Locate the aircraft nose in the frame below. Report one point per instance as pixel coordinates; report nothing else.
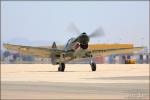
(84, 39)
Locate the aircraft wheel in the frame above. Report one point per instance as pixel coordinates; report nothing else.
(61, 67)
(93, 66)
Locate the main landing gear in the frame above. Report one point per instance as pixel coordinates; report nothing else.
(93, 66)
(61, 67)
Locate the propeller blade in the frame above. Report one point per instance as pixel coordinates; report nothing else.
(73, 29)
(97, 33)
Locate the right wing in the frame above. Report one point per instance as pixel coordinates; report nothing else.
(35, 51)
(107, 52)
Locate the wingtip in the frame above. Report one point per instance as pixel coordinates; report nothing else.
(6, 45)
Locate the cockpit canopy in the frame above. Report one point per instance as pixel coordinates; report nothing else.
(69, 41)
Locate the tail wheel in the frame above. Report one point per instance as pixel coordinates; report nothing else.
(61, 67)
(93, 66)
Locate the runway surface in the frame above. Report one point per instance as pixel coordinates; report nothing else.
(42, 81)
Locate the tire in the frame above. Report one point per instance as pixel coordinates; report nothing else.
(93, 66)
(61, 67)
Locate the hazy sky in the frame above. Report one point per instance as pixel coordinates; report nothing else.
(122, 21)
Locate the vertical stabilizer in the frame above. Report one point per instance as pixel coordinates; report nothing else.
(54, 45)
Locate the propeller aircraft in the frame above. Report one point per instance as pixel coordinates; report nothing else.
(75, 48)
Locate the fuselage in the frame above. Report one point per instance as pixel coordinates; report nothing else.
(75, 47)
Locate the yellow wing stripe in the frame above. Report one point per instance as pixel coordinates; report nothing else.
(106, 52)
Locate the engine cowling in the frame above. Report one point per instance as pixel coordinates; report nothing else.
(84, 46)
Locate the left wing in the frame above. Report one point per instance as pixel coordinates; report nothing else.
(106, 52)
(35, 51)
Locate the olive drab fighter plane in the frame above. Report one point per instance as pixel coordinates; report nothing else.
(75, 48)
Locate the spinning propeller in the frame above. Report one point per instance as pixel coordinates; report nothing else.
(97, 33)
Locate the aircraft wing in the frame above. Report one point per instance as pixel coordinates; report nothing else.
(35, 51)
(106, 52)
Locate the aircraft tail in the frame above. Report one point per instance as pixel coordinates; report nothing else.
(54, 45)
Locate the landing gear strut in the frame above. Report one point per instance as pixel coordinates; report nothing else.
(61, 67)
